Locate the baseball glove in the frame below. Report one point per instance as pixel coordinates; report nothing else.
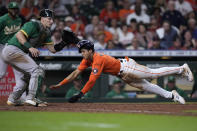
(76, 98)
(69, 37)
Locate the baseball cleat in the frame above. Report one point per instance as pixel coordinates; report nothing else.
(177, 97)
(187, 72)
(30, 102)
(36, 102)
(16, 103)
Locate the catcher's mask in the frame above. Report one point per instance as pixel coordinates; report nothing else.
(85, 44)
(46, 13)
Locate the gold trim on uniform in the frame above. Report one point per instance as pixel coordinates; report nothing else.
(24, 33)
(49, 43)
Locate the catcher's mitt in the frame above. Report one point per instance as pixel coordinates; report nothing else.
(69, 37)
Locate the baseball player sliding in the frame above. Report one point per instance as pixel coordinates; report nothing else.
(127, 69)
(32, 35)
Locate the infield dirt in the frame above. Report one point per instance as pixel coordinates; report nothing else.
(142, 108)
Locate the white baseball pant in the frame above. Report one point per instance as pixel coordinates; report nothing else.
(135, 75)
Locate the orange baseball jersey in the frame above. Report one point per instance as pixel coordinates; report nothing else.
(101, 63)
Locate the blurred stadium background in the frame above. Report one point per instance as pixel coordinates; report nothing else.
(155, 33)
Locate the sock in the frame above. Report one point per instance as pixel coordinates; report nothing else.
(147, 86)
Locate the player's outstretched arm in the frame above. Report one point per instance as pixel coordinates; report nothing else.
(69, 78)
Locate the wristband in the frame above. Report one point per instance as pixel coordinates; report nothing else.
(27, 45)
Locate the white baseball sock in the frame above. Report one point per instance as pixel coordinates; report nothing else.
(147, 86)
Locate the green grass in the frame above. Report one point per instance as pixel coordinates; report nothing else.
(192, 111)
(65, 121)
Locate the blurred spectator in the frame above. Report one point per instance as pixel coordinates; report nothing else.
(99, 3)
(143, 36)
(161, 4)
(110, 45)
(172, 15)
(116, 42)
(133, 26)
(114, 28)
(193, 3)
(171, 85)
(94, 22)
(60, 25)
(135, 45)
(78, 28)
(68, 21)
(123, 13)
(103, 28)
(29, 10)
(125, 37)
(88, 9)
(42, 4)
(183, 6)
(157, 15)
(139, 3)
(108, 12)
(3, 9)
(113, 46)
(193, 15)
(155, 44)
(93, 36)
(68, 2)
(192, 27)
(55, 23)
(187, 40)
(76, 88)
(117, 91)
(100, 44)
(176, 44)
(57, 36)
(138, 15)
(154, 25)
(77, 16)
(59, 9)
(167, 34)
(194, 43)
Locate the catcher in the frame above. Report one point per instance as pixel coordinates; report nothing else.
(32, 35)
(127, 69)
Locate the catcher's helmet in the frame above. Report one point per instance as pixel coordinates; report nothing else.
(46, 13)
(85, 44)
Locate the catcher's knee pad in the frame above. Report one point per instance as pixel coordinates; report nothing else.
(38, 72)
(36, 80)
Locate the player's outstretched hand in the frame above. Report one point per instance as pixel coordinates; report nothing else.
(54, 86)
(75, 98)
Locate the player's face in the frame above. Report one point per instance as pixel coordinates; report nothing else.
(13, 12)
(86, 53)
(47, 21)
